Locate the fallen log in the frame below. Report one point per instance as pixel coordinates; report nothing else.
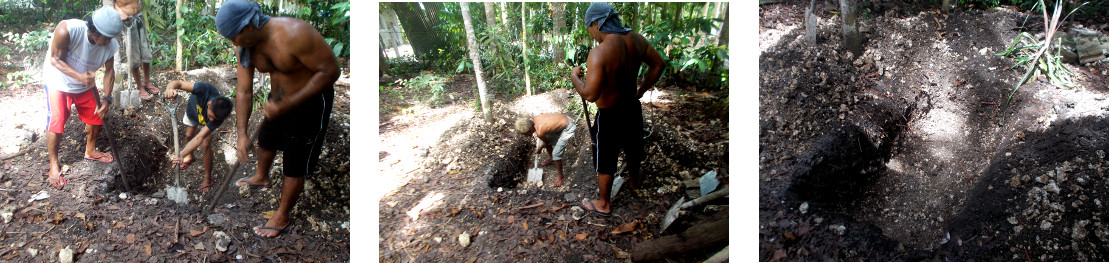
(697, 237)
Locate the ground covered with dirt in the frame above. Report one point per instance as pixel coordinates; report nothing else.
(456, 188)
(120, 212)
(908, 150)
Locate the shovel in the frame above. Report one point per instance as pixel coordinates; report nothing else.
(673, 213)
(535, 175)
(175, 192)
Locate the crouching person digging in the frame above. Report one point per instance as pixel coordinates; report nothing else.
(552, 132)
(206, 108)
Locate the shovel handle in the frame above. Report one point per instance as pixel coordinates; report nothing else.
(706, 198)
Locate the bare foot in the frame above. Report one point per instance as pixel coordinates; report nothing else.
(546, 163)
(557, 182)
(55, 177)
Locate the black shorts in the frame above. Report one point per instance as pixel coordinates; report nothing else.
(299, 133)
(618, 128)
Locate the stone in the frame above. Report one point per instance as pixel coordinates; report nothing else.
(577, 213)
(151, 201)
(1051, 187)
(217, 219)
(804, 208)
(65, 255)
(839, 229)
(464, 239)
(33, 252)
(223, 241)
(570, 197)
(159, 194)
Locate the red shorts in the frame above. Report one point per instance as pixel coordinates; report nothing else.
(58, 103)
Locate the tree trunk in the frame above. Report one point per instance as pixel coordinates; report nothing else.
(417, 28)
(504, 15)
(490, 15)
(697, 237)
(723, 40)
(557, 46)
(178, 35)
(524, 38)
(851, 41)
(471, 42)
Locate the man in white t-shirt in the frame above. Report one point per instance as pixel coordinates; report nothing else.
(78, 49)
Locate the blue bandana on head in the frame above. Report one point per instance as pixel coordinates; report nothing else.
(606, 19)
(233, 16)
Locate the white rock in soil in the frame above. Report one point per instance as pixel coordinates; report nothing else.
(1045, 225)
(437, 239)
(577, 213)
(122, 195)
(804, 208)
(65, 255)
(464, 239)
(1013, 220)
(1051, 187)
(222, 241)
(839, 229)
(34, 252)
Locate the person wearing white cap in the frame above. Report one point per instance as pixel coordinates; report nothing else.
(78, 49)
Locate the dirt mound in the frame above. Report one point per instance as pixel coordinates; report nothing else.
(922, 113)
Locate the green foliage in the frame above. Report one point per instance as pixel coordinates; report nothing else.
(1035, 54)
(19, 78)
(432, 84)
(32, 45)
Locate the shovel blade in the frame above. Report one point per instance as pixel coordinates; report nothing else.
(671, 215)
(535, 175)
(177, 194)
(616, 183)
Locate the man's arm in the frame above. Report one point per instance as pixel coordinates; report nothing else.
(173, 86)
(312, 51)
(59, 49)
(244, 92)
(590, 88)
(202, 135)
(654, 67)
(109, 82)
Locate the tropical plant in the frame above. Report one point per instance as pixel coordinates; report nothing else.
(1034, 55)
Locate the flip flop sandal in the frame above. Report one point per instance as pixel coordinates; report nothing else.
(184, 165)
(252, 185)
(60, 185)
(588, 205)
(110, 158)
(279, 230)
(152, 90)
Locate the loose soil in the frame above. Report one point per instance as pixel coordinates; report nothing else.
(908, 151)
(448, 173)
(118, 211)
